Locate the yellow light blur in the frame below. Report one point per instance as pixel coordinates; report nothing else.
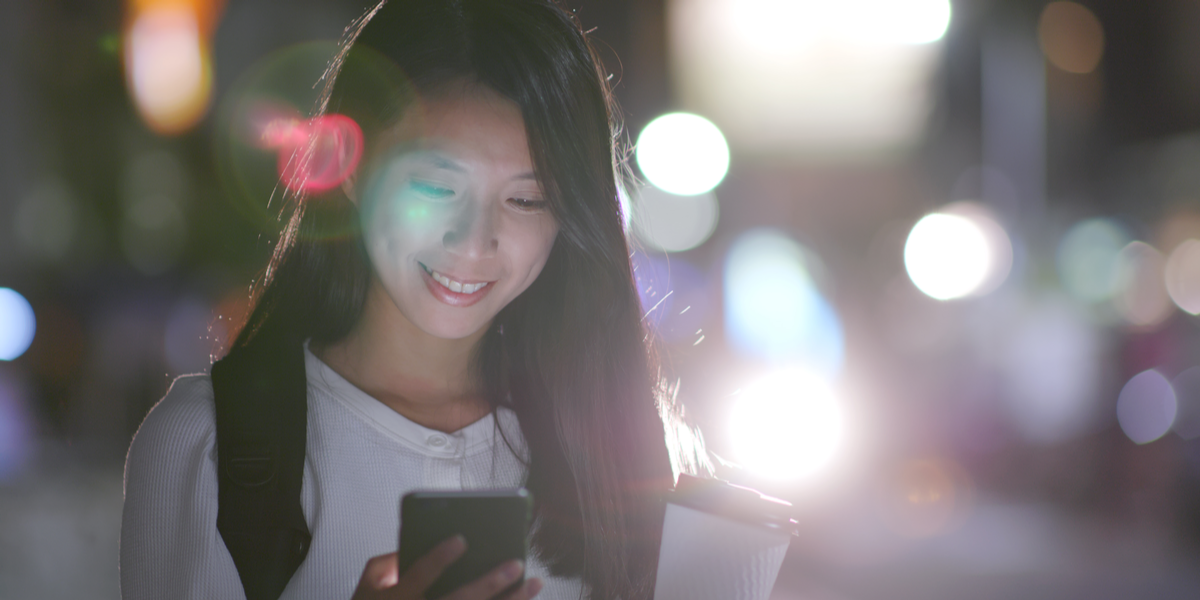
(787, 425)
(683, 154)
(1071, 37)
(1183, 276)
(947, 256)
(928, 497)
(167, 64)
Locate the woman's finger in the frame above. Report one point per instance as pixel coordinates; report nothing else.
(528, 590)
(380, 572)
(426, 570)
(491, 584)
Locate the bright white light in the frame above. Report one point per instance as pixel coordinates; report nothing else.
(782, 23)
(804, 77)
(1183, 276)
(683, 154)
(947, 256)
(672, 223)
(773, 309)
(1146, 407)
(902, 21)
(167, 68)
(787, 425)
(17, 324)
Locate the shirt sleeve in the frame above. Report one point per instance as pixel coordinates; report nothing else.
(170, 546)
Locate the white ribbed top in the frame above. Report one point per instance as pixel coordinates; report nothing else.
(361, 457)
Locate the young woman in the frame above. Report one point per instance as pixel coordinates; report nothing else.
(478, 327)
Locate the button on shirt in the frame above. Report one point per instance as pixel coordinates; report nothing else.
(361, 458)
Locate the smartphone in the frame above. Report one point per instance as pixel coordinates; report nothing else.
(495, 524)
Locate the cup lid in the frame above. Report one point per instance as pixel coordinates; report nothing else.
(724, 499)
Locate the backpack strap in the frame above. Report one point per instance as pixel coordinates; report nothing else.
(261, 401)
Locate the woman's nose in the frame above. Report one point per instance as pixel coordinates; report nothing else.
(472, 233)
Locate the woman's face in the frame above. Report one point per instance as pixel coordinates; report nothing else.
(454, 220)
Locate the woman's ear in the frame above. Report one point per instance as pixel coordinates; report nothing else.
(348, 187)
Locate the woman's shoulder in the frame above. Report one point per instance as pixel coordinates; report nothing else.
(183, 419)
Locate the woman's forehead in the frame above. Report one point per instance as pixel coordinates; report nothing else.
(463, 122)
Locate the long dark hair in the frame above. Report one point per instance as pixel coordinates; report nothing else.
(570, 356)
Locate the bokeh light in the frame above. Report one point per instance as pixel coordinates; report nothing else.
(153, 229)
(1183, 276)
(947, 256)
(773, 309)
(1187, 401)
(804, 77)
(168, 66)
(683, 153)
(665, 221)
(926, 497)
(1142, 299)
(1071, 37)
(897, 21)
(777, 24)
(16, 425)
(786, 425)
(47, 221)
(1052, 364)
(1089, 263)
(17, 324)
(1146, 407)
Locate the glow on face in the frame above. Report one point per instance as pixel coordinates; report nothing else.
(454, 221)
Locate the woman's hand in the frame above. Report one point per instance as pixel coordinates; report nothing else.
(381, 578)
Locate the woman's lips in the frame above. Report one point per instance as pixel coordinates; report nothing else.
(442, 288)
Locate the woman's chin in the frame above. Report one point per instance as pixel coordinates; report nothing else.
(452, 329)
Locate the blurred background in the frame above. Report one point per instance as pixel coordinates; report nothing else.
(927, 269)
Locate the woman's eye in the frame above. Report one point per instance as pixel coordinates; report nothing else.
(528, 204)
(430, 190)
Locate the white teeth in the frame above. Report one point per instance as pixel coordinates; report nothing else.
(455, 286)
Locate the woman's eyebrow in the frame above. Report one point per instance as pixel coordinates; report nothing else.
(441, 161)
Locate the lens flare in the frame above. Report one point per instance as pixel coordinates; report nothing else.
(947, 256)
(17, 324)
(273, 147)
(787, 425)
(329, 150)
(683, 154)
(1146, 407)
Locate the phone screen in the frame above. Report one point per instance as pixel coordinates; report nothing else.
(495, 524)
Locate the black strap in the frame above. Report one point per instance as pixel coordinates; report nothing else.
(260, 394)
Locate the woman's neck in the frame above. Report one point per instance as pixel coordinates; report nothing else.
(425, 378)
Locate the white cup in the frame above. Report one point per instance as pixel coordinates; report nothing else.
(721, 542)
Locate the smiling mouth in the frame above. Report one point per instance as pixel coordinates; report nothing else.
(457, 287)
